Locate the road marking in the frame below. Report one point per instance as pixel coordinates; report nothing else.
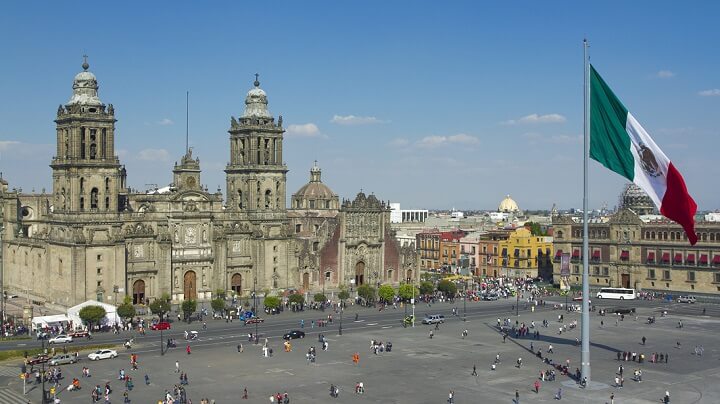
(370, 324)
(387, 326)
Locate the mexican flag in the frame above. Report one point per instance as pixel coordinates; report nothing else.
(618, 142)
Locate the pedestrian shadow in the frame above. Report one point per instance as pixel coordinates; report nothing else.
(550, 339)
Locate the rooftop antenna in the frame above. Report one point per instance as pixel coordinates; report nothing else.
(187, 122)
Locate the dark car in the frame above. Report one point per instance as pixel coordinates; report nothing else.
(622, 310)
(254, 320)
(295, 334)
(38, 359)
(79, 334)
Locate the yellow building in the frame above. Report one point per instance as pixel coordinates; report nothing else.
(523, 254)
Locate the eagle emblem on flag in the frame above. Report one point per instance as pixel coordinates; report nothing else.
(648, 162)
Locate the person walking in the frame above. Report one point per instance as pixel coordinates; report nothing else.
(517, 397)
(643, 340)
(451, 397)
(666, 398)
(558, 395)
(612, 398)
(474, 372)
(177, 367)
(187, 349)
(537, 386)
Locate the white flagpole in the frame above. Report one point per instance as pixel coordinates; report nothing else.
(585, 320)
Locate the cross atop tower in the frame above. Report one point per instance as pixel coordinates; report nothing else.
(85, 64)
(257, 82)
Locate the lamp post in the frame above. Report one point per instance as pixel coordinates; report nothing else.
(162, 351)
(255, 305)
(42, 376)
(342, 308)
(2, 283)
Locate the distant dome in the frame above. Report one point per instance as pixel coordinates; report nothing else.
(635, 199)
(256, 103)
(508, 205)
(315, 194)
(85, 88)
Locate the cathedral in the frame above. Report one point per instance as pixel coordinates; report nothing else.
(93, 237)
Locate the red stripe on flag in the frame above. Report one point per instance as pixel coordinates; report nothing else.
(678, 205)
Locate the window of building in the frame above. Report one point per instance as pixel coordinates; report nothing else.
(606, 271)
(666, 275)
(651, 274)
(717, 278)
(99, 257)
(99, 284)
(316, 227)
(596, 271)
(691, 276)
(576, 269)
(60, 265)
(99, 272)
(312, 204)
(298, 228)
(316, 246)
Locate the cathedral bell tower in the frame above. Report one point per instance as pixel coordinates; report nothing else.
(86, 173)
(256, 173)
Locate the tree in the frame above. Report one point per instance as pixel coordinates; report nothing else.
(220, 293)
(188, 307)
(217, 304)
(126, 310)
(319, 298)
(406, 291)
(92, 314)
(271, 302)
(296, 298)
(426, 288)
(447, 287)
(367, 292)
(535, 229)
(161, 306)
(386, 293)
(343, 295)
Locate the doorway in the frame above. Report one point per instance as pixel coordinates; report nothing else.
(625, 281)
(236, 284)
(359, 273)
(139, 292)
(306, 281)
(189, 285)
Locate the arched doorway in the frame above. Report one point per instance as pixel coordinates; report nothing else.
(306, 281)
(409, 276)
(190, 285)
(138, 293)
(359, 273)
(236, 284)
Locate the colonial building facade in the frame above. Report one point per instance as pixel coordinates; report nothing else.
(92, 237)
(636, 249)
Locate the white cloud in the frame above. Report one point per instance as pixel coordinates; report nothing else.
(534, 137)
(153, 155)
(437, 141)
(303, 130)
(710, 93)
(165, 122)
(535, 118)
(6, 145)
(355, 120)
(664, 74)
(399, 142)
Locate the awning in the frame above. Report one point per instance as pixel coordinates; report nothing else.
(666, 257)
(625, 254)
(576, 253)
(651, 256)
(716, 260)
(558, 253)
(596, 254)
(703, 259)
(690, 259)
(678, 258)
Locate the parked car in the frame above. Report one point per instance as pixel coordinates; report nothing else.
(295, 334)
(622, 310)
(103, 354)
(433, 319)
(686, 299)
(253, 320)
(60, 339)
(163, 325)
(38, 359)
(490, 297)
(63, 359)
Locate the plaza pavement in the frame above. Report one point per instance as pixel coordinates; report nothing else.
(420, 369)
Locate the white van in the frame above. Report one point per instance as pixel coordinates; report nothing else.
(433, 319)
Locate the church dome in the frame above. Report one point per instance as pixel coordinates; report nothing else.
(508, 205)
(256, 103)
(635, 199)
(315, 194)
(85, 88)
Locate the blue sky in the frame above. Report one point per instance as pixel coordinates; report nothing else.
(430, 104)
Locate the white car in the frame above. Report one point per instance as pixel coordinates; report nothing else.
(103, 354)
(60, 339)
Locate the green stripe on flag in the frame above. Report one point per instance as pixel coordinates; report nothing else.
(609, 140)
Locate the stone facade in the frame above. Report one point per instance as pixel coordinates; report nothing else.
(94, 238)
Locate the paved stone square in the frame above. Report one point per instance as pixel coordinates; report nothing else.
(424, 370)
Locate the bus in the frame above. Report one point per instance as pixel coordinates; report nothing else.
(616, 293)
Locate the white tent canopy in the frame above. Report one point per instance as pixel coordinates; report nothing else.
(111, 316)
(56, 320)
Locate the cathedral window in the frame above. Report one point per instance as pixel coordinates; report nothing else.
(82, 143)
(268, 198)
(107, 203)
(315, 246)
(94, 198)
(107, 185)
(312, 204)
(93, 144)
(82, 203)
(82, 185)
(240, 199)
(298, 228)
(103, 143)
(327, 204)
